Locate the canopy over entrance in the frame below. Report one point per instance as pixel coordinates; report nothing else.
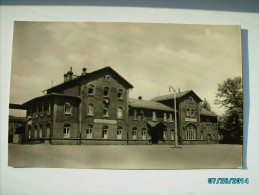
(156, 131)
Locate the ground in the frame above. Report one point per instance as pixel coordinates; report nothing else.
(126, 157)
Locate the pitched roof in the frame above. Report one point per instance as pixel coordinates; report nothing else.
(178, 95)
(206, 112)
(149, 105)
(76, 81)
(50, 95)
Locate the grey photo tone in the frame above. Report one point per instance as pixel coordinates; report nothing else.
(92, 92)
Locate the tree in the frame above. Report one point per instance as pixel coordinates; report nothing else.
(206, 104)
(230, 96)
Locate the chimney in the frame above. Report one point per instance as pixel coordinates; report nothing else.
(65, 78)
(84, 71)
(69, 74)
(140, 97)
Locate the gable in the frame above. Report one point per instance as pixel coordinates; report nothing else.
(90, 77)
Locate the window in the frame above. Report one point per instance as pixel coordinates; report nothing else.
(105, 113)
(40, 135)
(190, 132)
(119, 113)
(89, 131)
(35, 131)
(154, 116)
(165, 135)
(29, 129)
(190, 99)
(90, 90)
(120, 94)
(106, 91)
(90, 110)
(134, 133)
(66, 131)
(165, 117)
(172, 134)
(201, 135)
(49, 111)
(67, 109)
(105, 132)
(119, 133)
(208, 127)
(42, 111)
(192, 113)
(107, 77)
(48, 130)
(144, 133)
(187, 112)
(135, 114)
(171, 118)
(37, 113)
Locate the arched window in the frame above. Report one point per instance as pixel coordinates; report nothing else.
(106, 91)
(105, 132)
(134, 133)
(120, 94)
(35, 131)
(119, 132)
(91, 89)
(105, 112)
(90, 110)
(47, 131)
(119, 113)
(191, 132)
(165, 134)
(144, 133)
(40, 135)
(66, 131)
(89, 132)
(192, 112)
(187, 112)
(29, 131)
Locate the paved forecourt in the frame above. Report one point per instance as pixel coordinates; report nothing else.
(126, 157)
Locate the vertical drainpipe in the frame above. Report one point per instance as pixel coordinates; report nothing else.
(127, 111)
(54, 112)
(80, 114)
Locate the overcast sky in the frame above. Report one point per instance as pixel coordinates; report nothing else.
(150, 56)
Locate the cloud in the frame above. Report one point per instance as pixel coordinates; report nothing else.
(150, 56)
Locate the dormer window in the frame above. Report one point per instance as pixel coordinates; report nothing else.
(154, 116)
(120, 94)
(106, 91)
(165, 117)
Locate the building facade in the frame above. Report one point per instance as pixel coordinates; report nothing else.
(95, 108)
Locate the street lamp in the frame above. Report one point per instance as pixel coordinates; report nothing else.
(175, 117)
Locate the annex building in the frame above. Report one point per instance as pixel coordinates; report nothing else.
(95, 108)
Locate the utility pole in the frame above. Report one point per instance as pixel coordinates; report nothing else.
(175, 117)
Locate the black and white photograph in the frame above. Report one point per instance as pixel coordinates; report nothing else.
(124, 95)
